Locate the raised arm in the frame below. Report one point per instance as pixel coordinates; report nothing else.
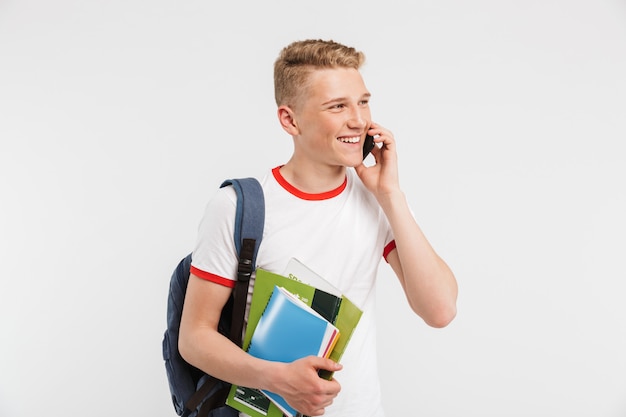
(428, 282)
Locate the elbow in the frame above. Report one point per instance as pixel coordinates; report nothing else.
(442, 319)
(440, 309)
(183, 350)
(438, 317)
(184, 347)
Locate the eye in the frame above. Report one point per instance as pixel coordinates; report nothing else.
(337, 107)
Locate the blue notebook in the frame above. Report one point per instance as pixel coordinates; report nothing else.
(289, 330)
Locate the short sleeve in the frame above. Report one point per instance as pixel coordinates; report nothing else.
(214, 256)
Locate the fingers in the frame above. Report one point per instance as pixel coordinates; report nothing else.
(380, 133)
(383, 138)
(308, 393)
(325, 363)
(381, 178)
(316, 403)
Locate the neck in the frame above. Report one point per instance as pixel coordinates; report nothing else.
(313, 179)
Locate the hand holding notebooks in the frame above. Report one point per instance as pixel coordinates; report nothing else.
(330, 303)
(289, 330)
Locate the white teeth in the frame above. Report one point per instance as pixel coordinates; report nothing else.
(354, 139)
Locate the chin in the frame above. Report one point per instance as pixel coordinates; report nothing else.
(358, 161)
(349, 164)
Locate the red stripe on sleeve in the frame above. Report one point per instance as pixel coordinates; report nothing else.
(212, 277)
(390, 246)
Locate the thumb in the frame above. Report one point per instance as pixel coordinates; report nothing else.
(326, 364)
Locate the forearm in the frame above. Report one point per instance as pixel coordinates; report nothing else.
(297, 382)
(428, 282)
(216, 355)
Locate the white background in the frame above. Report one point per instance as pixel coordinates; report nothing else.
(118, 119)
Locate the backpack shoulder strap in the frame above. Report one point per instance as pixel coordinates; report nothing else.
(250, 212)
(249, 224)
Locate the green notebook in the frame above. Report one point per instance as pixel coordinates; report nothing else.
(329, 303)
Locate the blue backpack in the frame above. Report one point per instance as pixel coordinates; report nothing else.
(195, 393)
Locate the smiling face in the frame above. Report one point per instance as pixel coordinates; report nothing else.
(330, 118)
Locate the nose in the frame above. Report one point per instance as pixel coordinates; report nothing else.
(358, 119)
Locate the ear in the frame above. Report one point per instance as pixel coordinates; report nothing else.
(287, 120)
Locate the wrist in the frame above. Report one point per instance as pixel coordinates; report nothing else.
(391, 199)
(272, 376)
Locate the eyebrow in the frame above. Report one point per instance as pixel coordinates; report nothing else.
(342, 99)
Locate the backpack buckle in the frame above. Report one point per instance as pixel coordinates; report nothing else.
(244, 272)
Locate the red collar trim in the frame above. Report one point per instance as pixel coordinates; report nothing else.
(307, 196)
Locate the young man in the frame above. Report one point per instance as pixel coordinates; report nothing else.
(337, 216)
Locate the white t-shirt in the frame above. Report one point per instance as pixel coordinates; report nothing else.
(341, 235)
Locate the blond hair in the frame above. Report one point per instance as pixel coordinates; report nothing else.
(296, 61)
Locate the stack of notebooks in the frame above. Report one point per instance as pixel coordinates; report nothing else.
(292, 316)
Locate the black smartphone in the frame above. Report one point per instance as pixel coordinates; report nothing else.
(368, 145)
